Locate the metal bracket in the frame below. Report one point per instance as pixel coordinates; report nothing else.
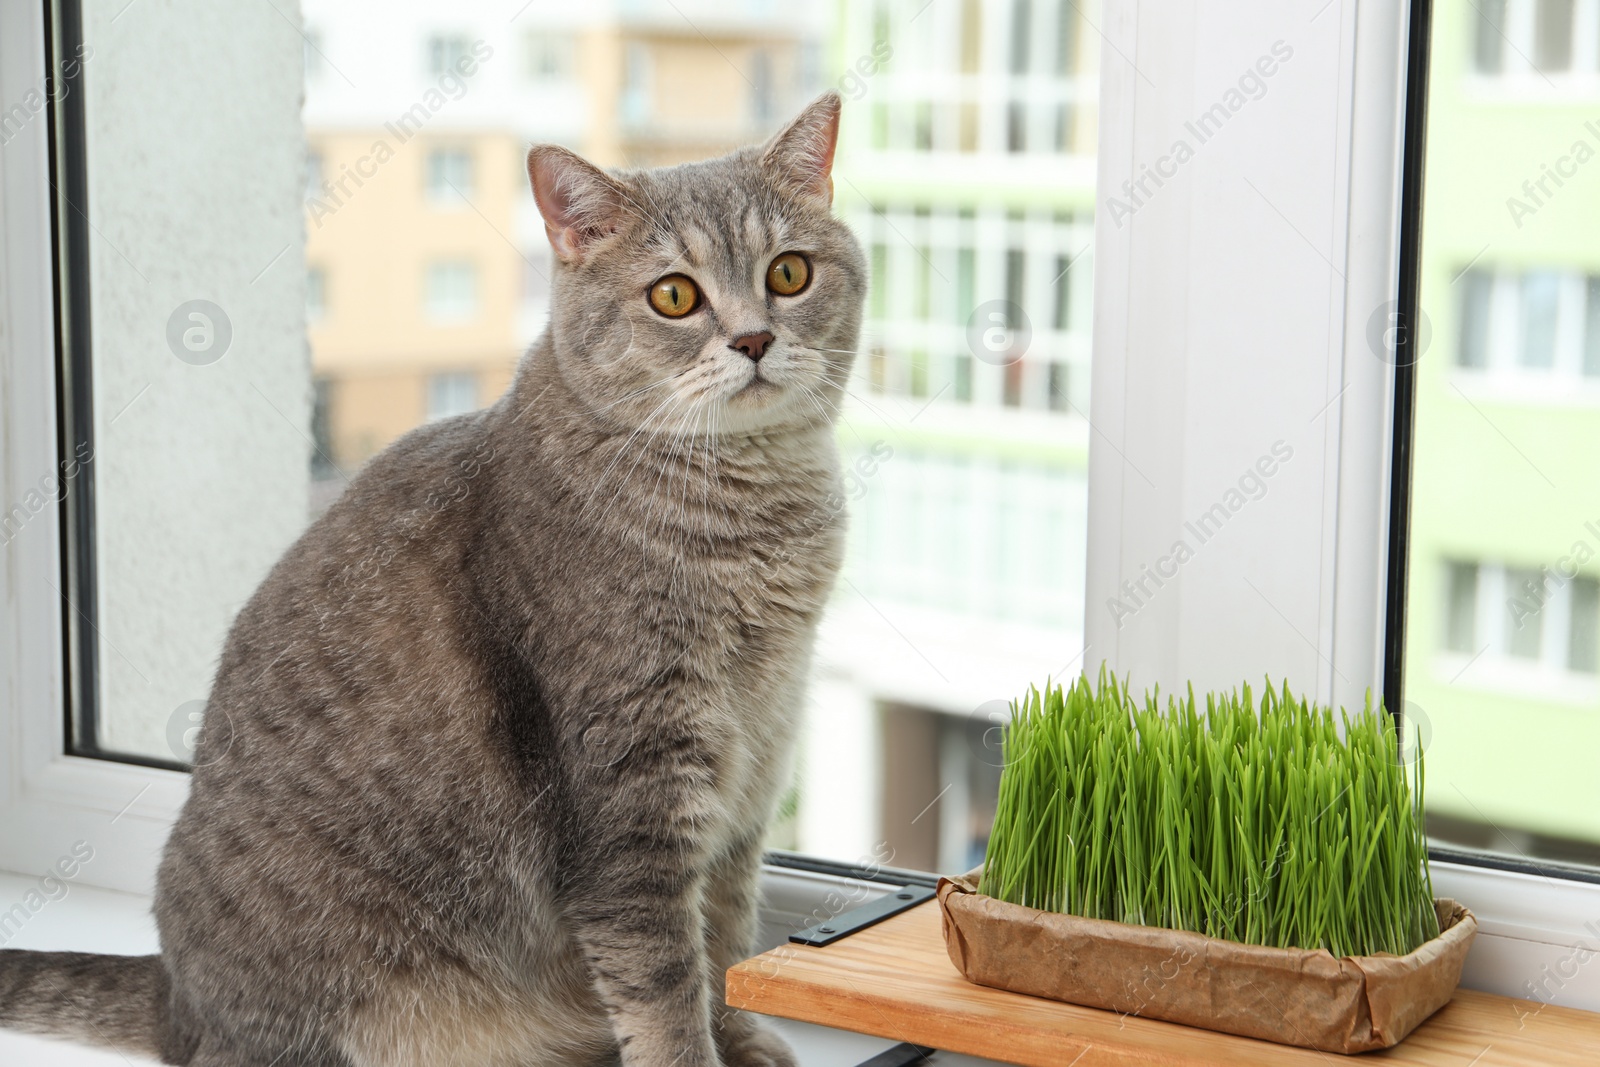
(857, 919)
(903, 1055)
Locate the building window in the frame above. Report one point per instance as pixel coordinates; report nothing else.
(536, 267)
(636, 92)
(1591, 327)
(1583, 646)
(322, 463)
(449, 176)
(1539, 326)
(316, 294)
(763, 106)
(314, 170)
(1540, 293)
(1488, 39)
(1538, 41)
(452, 292)
(445, 51)
(1473, 336)
(550, 56)
(1552, 36)
(1461, 607)
(455, 393)
(312, 54)
(1544, 618)
(978, 306)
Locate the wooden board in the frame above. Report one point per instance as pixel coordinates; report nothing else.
(894, 980)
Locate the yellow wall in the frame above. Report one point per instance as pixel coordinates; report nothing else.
(375, 341)
(375, 233)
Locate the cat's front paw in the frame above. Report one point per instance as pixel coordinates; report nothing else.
(751, 1044)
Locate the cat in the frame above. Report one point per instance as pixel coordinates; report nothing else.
(491, 753)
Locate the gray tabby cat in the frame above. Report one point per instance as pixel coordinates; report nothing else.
(491, 753)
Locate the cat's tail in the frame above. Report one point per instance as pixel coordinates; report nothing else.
(116, 1002)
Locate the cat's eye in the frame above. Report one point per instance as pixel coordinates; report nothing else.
(674, 296)
(788, 274)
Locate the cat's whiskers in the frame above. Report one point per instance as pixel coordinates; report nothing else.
(623, 451)
(586, 414)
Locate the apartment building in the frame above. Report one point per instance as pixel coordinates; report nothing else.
(428, 265)
(1504, 635)
(967, 169)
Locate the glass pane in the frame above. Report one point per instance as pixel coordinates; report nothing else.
(386, 224)
(1540, 292)
(1461, 611)
(1591, 328)
(1524, 614)
(1505, 528)
(1552, 41)
(1488, 36)
(1472, 343)
(1583, 653)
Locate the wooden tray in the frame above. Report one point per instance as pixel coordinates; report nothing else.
(894, 980)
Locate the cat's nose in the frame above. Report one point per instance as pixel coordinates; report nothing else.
(753, 345)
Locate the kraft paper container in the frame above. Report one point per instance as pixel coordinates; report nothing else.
(1291, 996)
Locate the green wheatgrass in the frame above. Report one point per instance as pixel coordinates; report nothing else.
(1269, 825)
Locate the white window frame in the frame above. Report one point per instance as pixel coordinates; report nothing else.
(1192, 381)
(48, 800)
(1185, 395)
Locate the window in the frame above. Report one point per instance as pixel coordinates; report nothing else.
(1541, 617)
(984, 472)
(452, 394)
(450, 176)
(965, 454)
(536, 270)
(314, 174)
(1552, 36)
(636, 88)
(323, 447)
(1472, 346)
(1533, 327)
(550, 56)
(763, 105)
(452, 292)
(314, 61)
(316, 294)
(1489, 37)
(447, 52)
(1542, 43)
(1501, 640)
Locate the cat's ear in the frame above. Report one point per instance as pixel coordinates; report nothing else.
(801, 154)
(579, 202)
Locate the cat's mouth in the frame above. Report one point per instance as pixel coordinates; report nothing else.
(757, 388)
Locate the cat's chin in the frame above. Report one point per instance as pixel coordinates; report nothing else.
(762, 406)
(757, 392)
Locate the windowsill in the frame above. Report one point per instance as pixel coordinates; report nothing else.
(1545, 388)
(1531, 87)
(1524, 680)
(87, 919)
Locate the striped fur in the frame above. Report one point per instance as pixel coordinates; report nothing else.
(491, 752)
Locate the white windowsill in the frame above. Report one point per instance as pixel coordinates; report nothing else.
(99, 920)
